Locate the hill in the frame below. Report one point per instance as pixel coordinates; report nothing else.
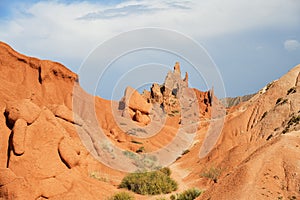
(59, 142)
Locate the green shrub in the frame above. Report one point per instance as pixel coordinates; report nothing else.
(140, 150)
(149, 183)
(189, 194)
(166, 171)
(122, 196)
(213, 174)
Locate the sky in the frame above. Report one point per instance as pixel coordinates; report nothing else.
(250, 43)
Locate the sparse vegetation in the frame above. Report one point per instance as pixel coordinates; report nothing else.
(278, 100)
(269, 137)
(291, 91)
(212, 173)
(140, 150)
(189, 194)
(122, 196)
(129, 154)
(185, 152)
(134, 131)
(269, 86)
(285, 130)
(171, 115)
(143, 162)
(294, 120)
(166, 171)
(281, 101)
(264, 115)
(292, 197)
(136, 142)
(175, 112)
(149, 183)
(96, 175)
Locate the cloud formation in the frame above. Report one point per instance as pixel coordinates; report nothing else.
(292, 45)
(54, 23)
(134, 8)
(67, 31)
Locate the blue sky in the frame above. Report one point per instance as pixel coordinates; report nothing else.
(252, 43)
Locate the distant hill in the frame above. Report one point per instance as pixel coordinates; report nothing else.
(233, 101)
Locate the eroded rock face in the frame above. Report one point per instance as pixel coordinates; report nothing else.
(135, 106)
(22, 109)
(135, 101)
(298, 80)
(172, 97)
(142, 118)
(19, 134)
(41, 156)
(156, 94)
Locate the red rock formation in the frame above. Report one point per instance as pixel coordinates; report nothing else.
(42, 154)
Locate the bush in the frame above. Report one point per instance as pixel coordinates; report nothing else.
(122, 196)
(189, 194)
(149, 183)
(213, 174)
(166, 171)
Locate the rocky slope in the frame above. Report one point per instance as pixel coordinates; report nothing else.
(258, 150)
(41, 154)
(58, 142)
(233, 101)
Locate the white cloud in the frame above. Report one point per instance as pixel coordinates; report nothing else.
(51, 29)
(291, 45)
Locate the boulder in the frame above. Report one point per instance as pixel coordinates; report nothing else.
(135, 101)
(156, 94)
(22, 109)
(69, 152)
(19, 133)
(142, 118)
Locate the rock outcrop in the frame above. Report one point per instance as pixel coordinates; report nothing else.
(134, 106)
(174, 97)
(41, 155)
(53, 147)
